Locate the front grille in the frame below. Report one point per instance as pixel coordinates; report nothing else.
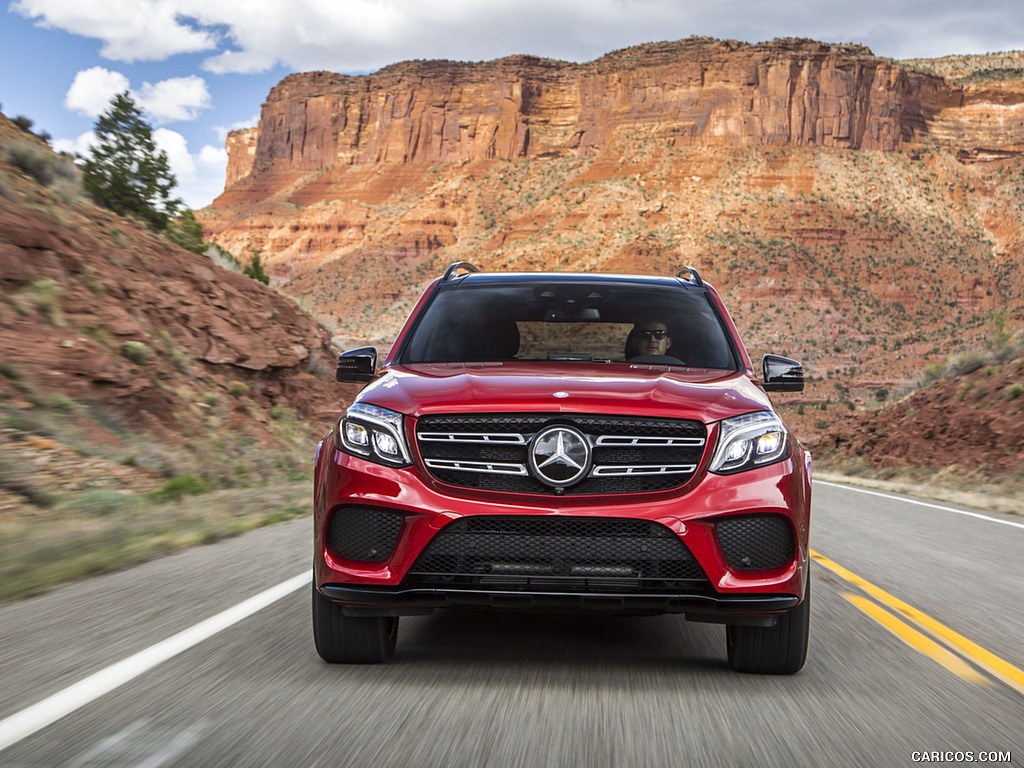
(630, 455)
(363, 533)
(557, 554)
(757, 542)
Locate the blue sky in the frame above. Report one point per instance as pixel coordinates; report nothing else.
(202, 67)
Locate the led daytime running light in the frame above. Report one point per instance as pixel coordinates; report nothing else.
(374, 433)
(749, 441)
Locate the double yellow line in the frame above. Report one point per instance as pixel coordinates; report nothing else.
(928, 645)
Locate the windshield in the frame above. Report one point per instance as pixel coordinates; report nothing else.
(598, 322)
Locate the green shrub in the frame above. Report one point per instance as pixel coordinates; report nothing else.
(932, 373)
(100, 503)
(186, 231)
(255, 270)
(136, 351)
(179, 487)
(23, 122)
(179, 359)
(45, 296)
(62, 403)
(282, 413)
(969, 362)
(33, 161)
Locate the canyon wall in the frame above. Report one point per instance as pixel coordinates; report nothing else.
(696, 91)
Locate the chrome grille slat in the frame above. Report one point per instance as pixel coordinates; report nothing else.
(473, 437)
(492, 468)
(631, 454)
(619, 441)
(626, 471)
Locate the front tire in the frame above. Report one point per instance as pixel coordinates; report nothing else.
(342, 639)
(778, 650)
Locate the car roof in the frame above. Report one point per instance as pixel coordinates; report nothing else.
(497, 278)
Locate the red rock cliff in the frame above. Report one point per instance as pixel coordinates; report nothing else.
(696, 91)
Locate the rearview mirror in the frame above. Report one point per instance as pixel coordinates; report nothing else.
(782, 374)
(357, 364)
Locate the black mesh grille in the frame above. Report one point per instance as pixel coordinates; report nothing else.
(363, 533)
(526, 425)
(756, 543)
(576, 554)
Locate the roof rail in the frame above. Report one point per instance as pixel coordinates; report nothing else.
(450, 273)
(690, 275)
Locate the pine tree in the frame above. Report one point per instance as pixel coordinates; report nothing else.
(125, 171)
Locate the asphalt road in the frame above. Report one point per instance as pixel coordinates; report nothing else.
(915, 647)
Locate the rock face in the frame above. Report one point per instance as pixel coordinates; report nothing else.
(690, 92)
(241, 149)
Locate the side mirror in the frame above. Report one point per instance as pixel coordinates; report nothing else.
(782, 374)
(357, 364)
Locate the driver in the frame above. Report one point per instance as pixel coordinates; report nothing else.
(648, 338)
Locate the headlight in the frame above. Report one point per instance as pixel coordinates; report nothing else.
(749, 441)
(373, 433)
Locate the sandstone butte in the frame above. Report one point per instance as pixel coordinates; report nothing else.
(707, 92)
(857, 212)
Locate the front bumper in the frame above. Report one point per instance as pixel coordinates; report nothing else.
(732, 595)
(726, 609)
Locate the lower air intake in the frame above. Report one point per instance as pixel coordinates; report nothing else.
(363, 533)
(756, 542)
(557, 554)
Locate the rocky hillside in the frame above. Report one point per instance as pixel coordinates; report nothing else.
(863, 215)
(126, 361)
(962, 430)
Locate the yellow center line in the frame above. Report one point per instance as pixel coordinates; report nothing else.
(1001, 668)
(918, 641)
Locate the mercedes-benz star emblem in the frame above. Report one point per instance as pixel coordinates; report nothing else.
(560, 456)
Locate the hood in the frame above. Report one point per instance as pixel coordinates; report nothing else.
(622, 389)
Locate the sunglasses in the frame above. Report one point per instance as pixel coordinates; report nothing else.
(649, 334)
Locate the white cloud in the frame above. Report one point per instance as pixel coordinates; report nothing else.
(183, 165)
(209, 179)
(92, 90)
(246, 36)
(178, 98)
(214, 156)
(200, 176)
(80, 145)
(131, 30)
(174, 99)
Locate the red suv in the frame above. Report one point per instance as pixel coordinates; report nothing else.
(543, 442)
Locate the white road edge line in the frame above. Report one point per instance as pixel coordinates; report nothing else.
(921, 503)
(23, 724)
